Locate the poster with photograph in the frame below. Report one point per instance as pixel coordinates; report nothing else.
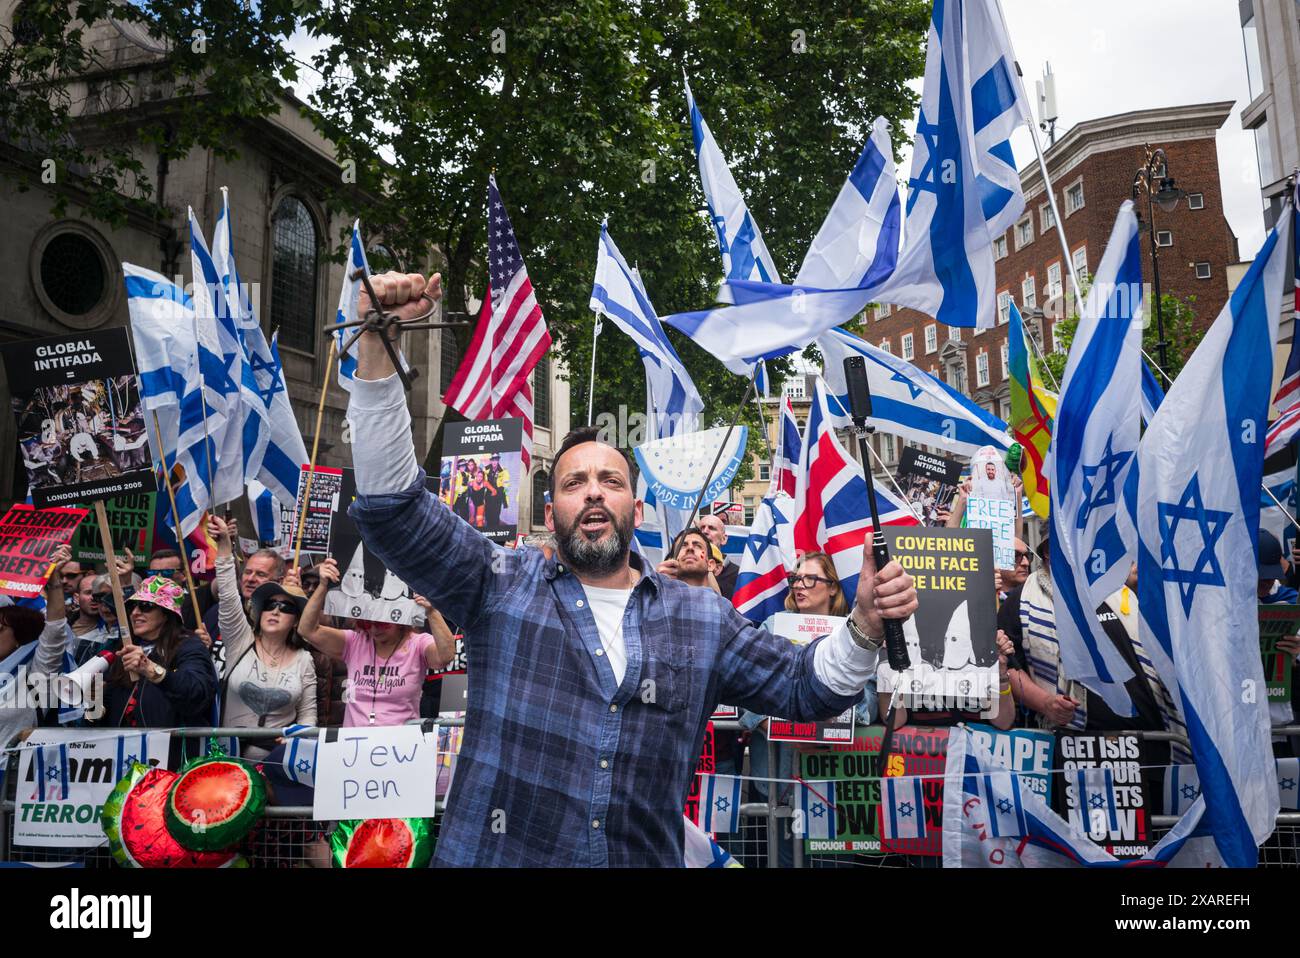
(800, 629)
(326, 484)
(989, 476)
(81, 425)
(1105, 793)
(952, 637)
(367, 590)
(929, 482)
(1275, 623)
(482, 473)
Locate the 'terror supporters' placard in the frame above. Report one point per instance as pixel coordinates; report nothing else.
(28, 537)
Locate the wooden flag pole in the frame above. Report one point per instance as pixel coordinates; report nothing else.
(315, 444)
(110, 559)
(176, 524)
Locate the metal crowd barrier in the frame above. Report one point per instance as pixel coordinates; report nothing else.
(290, 838)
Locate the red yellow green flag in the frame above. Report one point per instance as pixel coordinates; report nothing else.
(1033, 409)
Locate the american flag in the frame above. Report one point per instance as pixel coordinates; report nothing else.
(1287, 401)
(509, 339)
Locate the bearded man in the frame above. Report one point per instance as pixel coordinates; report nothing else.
(593, 676)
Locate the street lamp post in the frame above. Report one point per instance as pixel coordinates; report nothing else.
(1153, 179)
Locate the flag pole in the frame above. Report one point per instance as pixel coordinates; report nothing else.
(1277, 502)
(1042, 360)
(176, 520)
(315, 444)
(591, 386)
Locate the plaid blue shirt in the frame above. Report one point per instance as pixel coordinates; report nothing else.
(559, 765)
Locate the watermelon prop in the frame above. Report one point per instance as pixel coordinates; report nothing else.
(382, 843)
(132, 818)
(215, 801)
(675, 469)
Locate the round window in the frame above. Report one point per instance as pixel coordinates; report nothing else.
(72, 274)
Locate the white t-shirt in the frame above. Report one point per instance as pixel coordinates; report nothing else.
(607, 607)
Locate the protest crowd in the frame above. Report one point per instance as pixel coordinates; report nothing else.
(1067, 639)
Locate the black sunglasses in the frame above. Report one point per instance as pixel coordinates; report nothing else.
(280, 605)
(105, 597)
(1024, 555)
(808, 581)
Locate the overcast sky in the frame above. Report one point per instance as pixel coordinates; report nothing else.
(1112, 56)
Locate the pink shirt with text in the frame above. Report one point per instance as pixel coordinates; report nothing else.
(389, 688)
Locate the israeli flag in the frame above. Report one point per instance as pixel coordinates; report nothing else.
(1288, 775)
(1001, 804)
(1201, 463)
(162, 328)
(299, 761)
(720, 803)
(349, 296)
(1152, 394)
(1092, 464)
(52, 780)
(1094, 808)
(1182, 788)
(675, 402)
(964, 190)
(903, 811)
(815, 802)
(221, 362)
(853, 252)
(907, 401)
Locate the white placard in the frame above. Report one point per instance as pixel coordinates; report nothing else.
(802, 628)
(66, 775)
(380, 772)
(999, 515)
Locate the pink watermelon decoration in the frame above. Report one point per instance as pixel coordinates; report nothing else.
(215, 802)
(133, 820)
(382, 843)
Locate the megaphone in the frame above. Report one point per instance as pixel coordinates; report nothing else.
(74, 687)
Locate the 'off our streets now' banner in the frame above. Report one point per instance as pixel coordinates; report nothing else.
(81, 425)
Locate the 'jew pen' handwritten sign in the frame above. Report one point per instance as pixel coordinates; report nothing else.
(382, 772)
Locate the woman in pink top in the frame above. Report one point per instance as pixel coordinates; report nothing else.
(386, 662)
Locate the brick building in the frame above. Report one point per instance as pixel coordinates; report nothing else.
(1092, 168)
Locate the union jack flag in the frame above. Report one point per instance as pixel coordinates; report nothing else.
(1287, 401)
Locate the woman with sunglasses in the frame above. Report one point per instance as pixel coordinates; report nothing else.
(386, 662)
(270, 677)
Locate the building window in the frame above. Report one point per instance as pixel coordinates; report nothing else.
(908, 352)
(72, 274)
(931, 338)
(882, 310)
(886, 346)
(1004, 308)
(293, 274)
(801, 422)
(1164, 237)
(449, 356)
(1029, 293)
(749, 510)
(1004, 410)
(1202, 270)
(540, 486)
(1000, 247)
(1053, 280)
(1056, 341)
(982, 369)
(1080, 259)
(1006, 368)
(1074, 197)
(1264, 153)
(1046, 220)
(793, 388)
(1196, 201)
(764, 472)
(887, 448)
(1024, 232)
(542, 393)
(954, 333)
(1254, 74)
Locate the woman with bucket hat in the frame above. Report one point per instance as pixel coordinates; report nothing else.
(270, 678)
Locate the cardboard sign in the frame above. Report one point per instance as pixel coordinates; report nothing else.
(920, 751)
(381, 772)
(482, 473)
(1277, 622)
(28, 537)
(800, 629)
(66, 775)
(707, 765)
(326, 485)
(999, 517)
(131, 525)
(1105, 793)
(929, 482)
(368, 590)
(952, 637)
(855, 770)
(990, 478)
(81, 425)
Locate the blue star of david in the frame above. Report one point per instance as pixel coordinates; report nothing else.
(260, 365)
(722, 804)
(1096, 495)
(1287, 784)
(926, 180)
(818, 810)
(1004, 805)
(130, 760)
(1211, 522)
(304, 765)
(1096, 801)
(912, 387)
(905, 809)
(1190, 791)
(52, 774)
(756, 544)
